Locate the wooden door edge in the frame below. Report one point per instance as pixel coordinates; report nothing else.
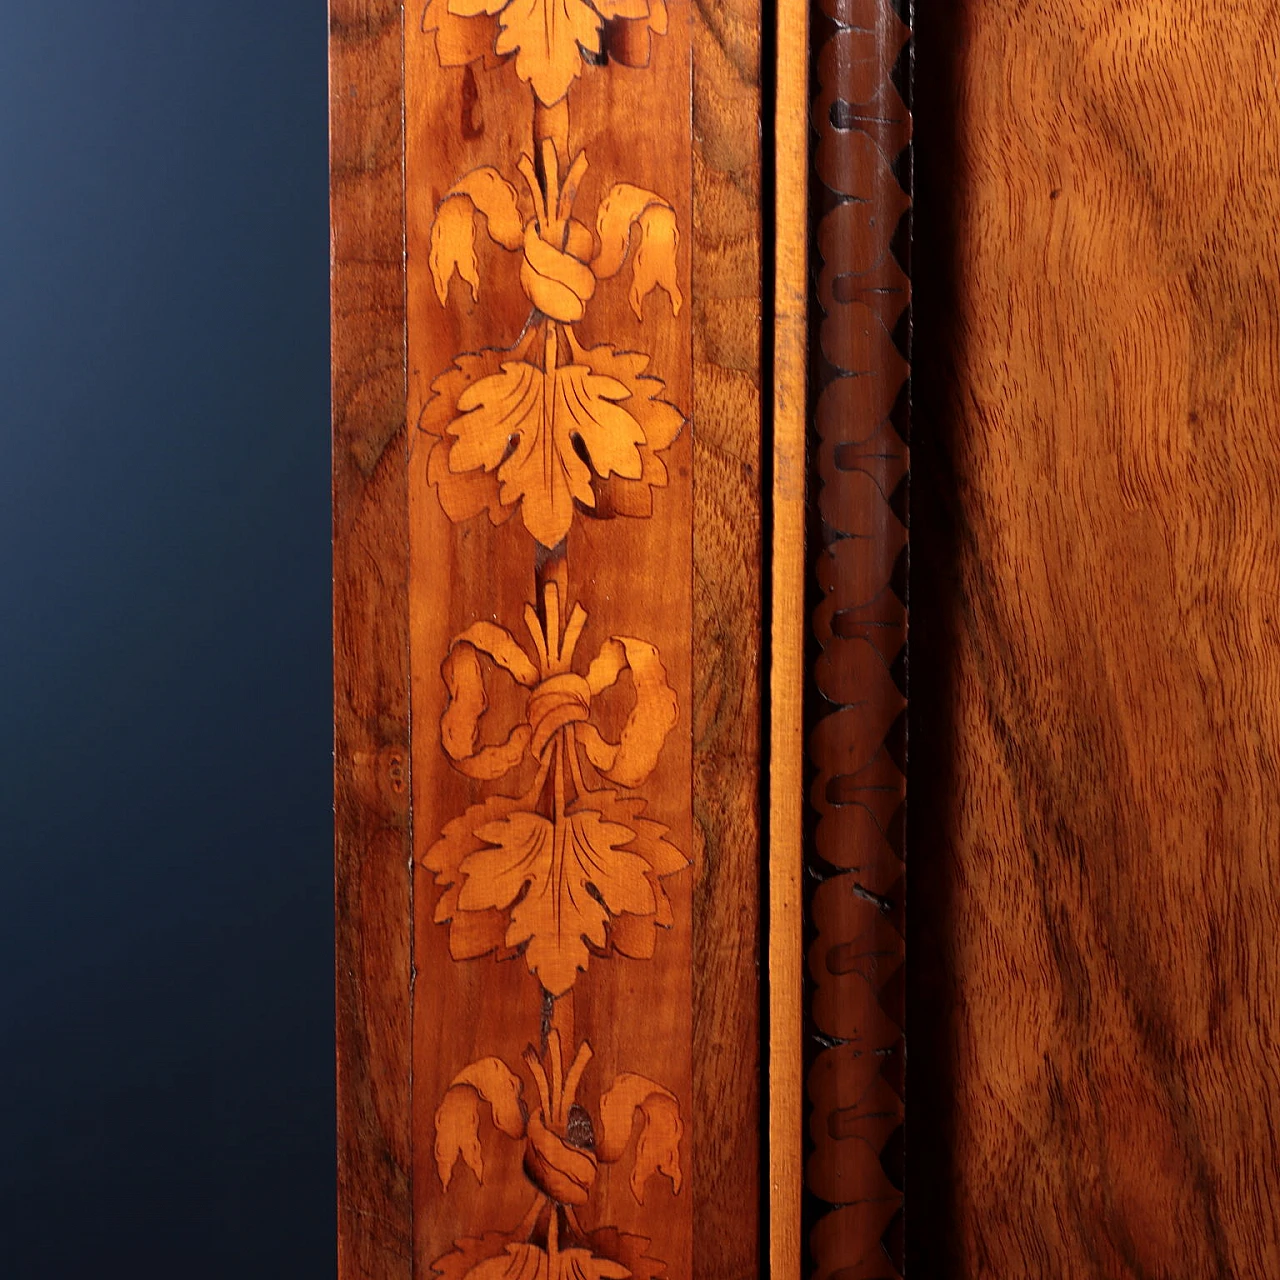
(372, 882)
(371, 741)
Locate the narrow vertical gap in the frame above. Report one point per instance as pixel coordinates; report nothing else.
(938, 333)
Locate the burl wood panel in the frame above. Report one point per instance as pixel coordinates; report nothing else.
(1095, 775)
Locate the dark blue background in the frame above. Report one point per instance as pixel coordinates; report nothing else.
(165, 909)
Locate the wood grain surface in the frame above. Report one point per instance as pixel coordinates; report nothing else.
(1095, 769)
(553, 891)
(370, 625)
(728, 568)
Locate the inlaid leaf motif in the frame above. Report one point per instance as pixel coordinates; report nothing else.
(464, 494)
(658, 1147)
(635, 936)
(471, 933)
(548, 38)
(458, 1117)
(550, 54)
(659, 418)
(561, 881)
(468, 1253)
(503, 442)
(464, 33)
(476, 930)
(546, 433)
(528, 1262)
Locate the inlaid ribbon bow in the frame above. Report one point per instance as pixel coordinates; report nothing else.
(569, 867)
(552, 425)
(564, 1147)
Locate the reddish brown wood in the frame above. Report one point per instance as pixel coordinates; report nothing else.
(1096, 673)
(856, 746)
(678, 567)
(708, 549)
(370, 621)
(727, 626)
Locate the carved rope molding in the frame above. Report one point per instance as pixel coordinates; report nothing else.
(855, 856)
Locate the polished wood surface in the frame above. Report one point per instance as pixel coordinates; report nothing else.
(370, 637)
(728, 562)
(550, 606)
(630, 650)
(1095, 765)
(584, 489)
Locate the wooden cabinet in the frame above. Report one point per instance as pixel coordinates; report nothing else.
(625, 370)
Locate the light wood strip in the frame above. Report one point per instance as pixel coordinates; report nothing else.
(786, 744)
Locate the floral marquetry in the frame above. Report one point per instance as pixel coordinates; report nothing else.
(549, 467)
(548, 424)
(550, 39)
(520, 430)
(570, 867)
(562, 259)
(551, 636)
(564, 1147)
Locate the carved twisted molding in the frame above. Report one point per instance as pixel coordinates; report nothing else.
(855, 857)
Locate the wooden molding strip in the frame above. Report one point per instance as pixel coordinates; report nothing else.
(786, 682)
(370, 635)
(857, 736)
